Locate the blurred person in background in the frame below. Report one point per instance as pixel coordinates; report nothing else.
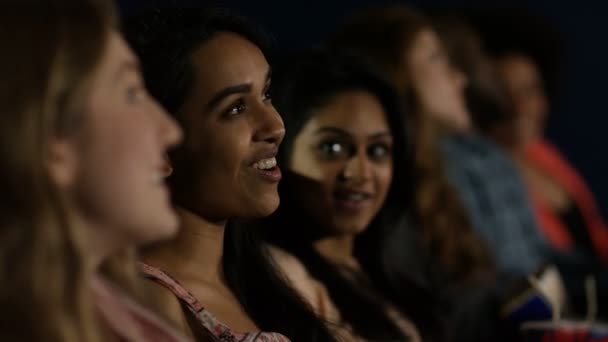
(449, 238)
(565, 208)
(402, 45)
(484, 174)
(82, 176)
(477, 231)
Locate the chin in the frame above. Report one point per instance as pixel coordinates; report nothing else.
(267, 210)
(350, 229)
(264, 207)
(164, 228)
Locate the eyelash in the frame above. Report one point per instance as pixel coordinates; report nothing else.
(386, 147)
(239, 106)
(326, 149)
(236, 108)
(134, 94)
(267, 97)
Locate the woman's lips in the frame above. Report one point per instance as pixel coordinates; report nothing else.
(351, 200)
(268, 169)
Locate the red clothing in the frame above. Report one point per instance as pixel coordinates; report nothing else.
(547, 158)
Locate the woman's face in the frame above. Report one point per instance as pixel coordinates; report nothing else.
(525, 88)
(344, 156)
(115, 174)
(233, 131)
(438, 87)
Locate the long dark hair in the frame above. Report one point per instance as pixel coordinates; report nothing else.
(165, 39)
(302, 83)
(384, 36)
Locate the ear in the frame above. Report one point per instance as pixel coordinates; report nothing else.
(62, 162)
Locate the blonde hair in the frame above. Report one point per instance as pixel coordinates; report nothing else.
(384, 37)
(50, 51)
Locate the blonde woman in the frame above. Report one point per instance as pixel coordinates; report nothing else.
(81, 154)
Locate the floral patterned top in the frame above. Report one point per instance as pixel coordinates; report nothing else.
(221, 332)
(126, 320)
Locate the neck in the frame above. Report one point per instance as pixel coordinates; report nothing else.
(338, 250)
(195, 253)
(98, 243)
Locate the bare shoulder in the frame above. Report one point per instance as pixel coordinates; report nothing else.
(288, 264)
(166, 304)
(311, 290)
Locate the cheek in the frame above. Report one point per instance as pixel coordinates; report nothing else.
(330, 173)
(121, 160)
(445, 87)
(384, 177)
(316, 184)
(538, 107)
(110, 188)
(314, 198)
(217, 166)
(304, 163)
(223, 150)
(433, 90)
(115, 152)
(422, 81)
(321, 172)
(220, 172)
(126, 134)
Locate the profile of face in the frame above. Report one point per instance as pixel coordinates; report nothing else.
(345, 151)
(524, 86)
(437, 86)
(233, 131)
(112, 164)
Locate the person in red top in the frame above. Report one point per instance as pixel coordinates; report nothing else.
(564, 205)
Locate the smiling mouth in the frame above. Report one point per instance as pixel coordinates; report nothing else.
(268, 169)
(351, 200)
(265, 164)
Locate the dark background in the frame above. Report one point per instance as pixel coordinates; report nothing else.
(567, 38)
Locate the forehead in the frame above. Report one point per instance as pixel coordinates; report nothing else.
(357, 111)
(425, 39)
(228, 59)
(116, 54)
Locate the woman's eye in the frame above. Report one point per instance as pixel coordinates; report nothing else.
(237, 108)
(134, 94)
(379, 151)
(267, 97)
(332, 149)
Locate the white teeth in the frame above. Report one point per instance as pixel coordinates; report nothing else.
(265, 164)
(355, 196)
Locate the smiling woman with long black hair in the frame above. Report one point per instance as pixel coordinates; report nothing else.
(346, 189)
(209, 70)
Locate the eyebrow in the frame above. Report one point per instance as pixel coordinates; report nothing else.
(236, 89)
(381, 135)
(344, 133)
(333, 130)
